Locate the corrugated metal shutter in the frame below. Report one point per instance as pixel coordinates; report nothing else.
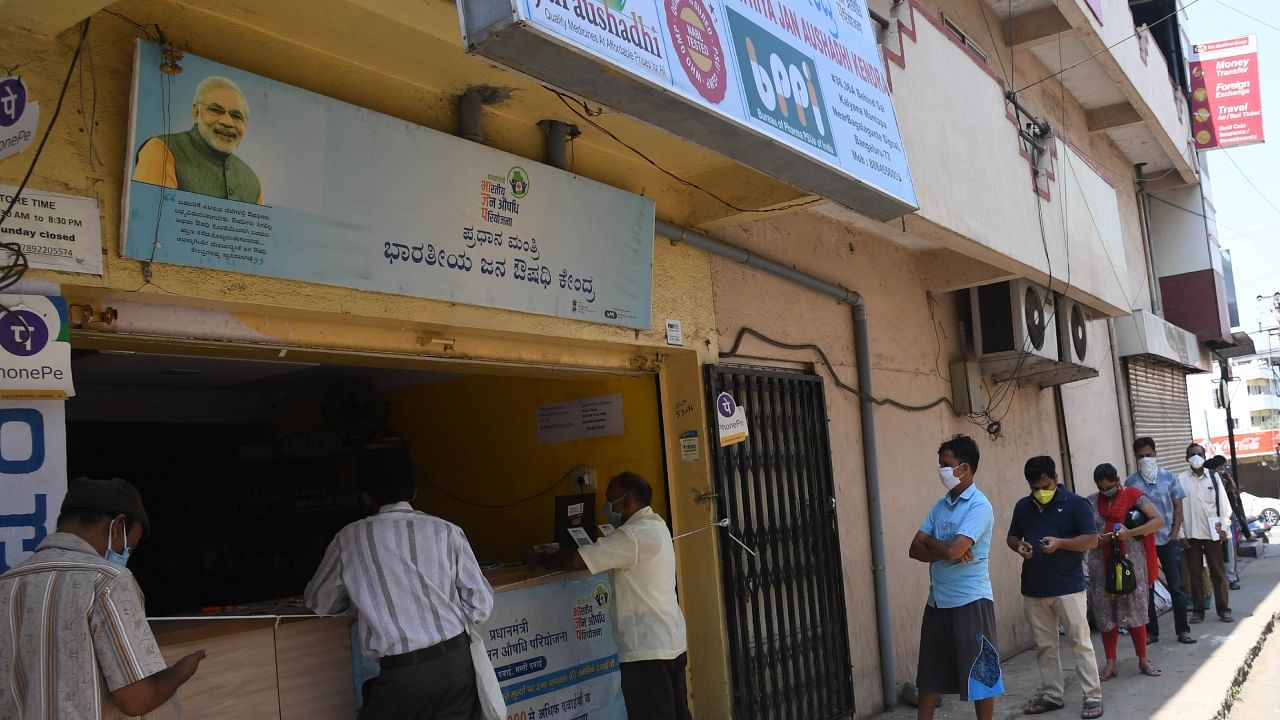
(1158, 398)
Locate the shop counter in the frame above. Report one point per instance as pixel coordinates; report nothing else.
(271, 667)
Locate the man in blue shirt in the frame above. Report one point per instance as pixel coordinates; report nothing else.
(1052, 529)
(958, 633)
(1166, 493)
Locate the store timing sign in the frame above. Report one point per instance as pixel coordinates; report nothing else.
(1226, 100)
(232, 171)
(804, 73)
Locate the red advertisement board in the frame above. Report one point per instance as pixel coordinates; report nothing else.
(1226, 100)
(1251, 444)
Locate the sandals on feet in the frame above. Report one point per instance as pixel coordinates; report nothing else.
(1149, 669)
(1108, 674)
(1186, 639)
(1039, 706)
(1092, 709)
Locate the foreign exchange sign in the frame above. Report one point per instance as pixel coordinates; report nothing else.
(1226, 100)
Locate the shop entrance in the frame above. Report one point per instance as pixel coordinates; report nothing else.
(788, 637)
(247, 466)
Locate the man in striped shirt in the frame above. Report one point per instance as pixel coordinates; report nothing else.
(76, 643)
(415, 587)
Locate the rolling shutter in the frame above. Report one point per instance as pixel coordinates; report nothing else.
(1158, 399)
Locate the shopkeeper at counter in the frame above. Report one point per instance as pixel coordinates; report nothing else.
(414, 584)
(648, 623)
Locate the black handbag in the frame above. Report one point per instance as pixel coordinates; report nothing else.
(1120, 577)
(1135, 518)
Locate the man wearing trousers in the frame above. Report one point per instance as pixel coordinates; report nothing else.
(1165, 492)
(1206, 514)
(1051, 529)
(415, 587)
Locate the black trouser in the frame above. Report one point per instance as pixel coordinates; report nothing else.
(1198, 552)
(656, 689)
(1171, 561)
(443, 688)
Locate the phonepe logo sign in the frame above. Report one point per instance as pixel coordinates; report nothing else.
(783, 88)
(33, 474)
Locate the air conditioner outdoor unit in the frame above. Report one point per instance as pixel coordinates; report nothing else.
(1078, 354)
(1013, 328)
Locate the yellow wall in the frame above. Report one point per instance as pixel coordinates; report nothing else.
(476, 438)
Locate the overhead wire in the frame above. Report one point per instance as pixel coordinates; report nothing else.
(1107, 48)
(1258, 20)
(588, 116)
(1247, 179)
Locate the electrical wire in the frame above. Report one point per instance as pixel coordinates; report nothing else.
(1008, 82)
(503, 506)
(1260, 21)
(587, 118)
(1245, 175)
(1108, 48)
(822, 355)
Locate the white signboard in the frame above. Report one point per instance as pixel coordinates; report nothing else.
(33, 474)
(56, 232)
(804, 73)
(592, 417)
(18, 118)
(732, 420)
(35, 356)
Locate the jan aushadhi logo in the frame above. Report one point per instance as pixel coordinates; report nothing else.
(783, 88)
(607, 15)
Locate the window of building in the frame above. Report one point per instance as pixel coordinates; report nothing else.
(964, 38)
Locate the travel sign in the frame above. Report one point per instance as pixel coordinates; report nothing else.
(805, 74)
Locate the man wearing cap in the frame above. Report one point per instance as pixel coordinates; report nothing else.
(82, 647)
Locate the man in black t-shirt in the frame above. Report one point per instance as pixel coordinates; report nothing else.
(1052, 528)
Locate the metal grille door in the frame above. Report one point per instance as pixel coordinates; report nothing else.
(1161, 410)
(788, 637)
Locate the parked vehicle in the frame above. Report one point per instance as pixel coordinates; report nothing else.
(1264, 507)
(1259, 529)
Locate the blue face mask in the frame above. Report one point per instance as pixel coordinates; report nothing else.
(113, 557)
(613, 516)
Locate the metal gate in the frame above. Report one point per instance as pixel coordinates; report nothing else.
(1161, 410)
(788, 636)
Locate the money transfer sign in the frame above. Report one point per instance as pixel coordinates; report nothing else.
(553, 650)
(806, 74)
(1226, 100)
(232, 171)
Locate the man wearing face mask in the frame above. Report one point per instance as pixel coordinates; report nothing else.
(1206, 512)
(82, 639)
(648, 623)
(958, 632)
(1052, 529)
(1165, 492)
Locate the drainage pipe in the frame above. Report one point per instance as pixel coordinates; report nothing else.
(866, 414)
(1122, 396)
(470, 125)
(558, 136)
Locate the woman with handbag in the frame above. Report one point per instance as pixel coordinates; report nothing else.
(1123, 567)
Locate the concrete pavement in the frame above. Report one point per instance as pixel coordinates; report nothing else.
(1200, 681)
(1260, 695)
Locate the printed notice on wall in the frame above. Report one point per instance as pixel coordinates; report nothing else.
(56, 232)
(592, 417)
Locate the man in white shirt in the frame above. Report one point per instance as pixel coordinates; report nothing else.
(1205, 513)
(648, 623)
(414, 585)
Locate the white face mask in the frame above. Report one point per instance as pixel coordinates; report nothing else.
(1196, 462)
(948, 477)
(1148, 468)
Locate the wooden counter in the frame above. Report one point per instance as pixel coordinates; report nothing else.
(262, 668)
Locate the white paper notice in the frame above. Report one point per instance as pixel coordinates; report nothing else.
(592, 417)
(56, 232)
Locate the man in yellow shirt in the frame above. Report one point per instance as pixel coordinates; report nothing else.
(202, 159)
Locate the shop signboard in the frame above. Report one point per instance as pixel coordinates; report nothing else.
(1250, 444)
(35, 351)
(56, 231)
(795, 88)
(1226, 99)
(33, 474)
(553, 650)
(228, 170)
(732, 420)
(18, 118)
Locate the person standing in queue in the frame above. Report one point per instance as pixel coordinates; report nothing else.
(1203, 533)
(1164, 491)
(958, 633)
(648, 623)
(415, 587)
(76, 635)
